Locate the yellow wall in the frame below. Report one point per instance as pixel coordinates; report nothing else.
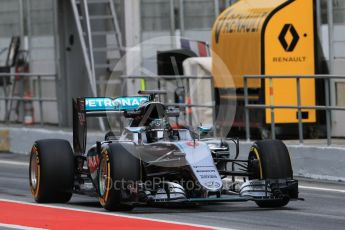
(236, 40)
(279, 60)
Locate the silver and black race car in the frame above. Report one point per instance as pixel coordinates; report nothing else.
(156, 162)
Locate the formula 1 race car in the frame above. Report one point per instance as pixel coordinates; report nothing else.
(155, 162)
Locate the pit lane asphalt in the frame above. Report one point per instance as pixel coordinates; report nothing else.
(323, 208)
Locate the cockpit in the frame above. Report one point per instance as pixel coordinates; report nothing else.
(150, 123)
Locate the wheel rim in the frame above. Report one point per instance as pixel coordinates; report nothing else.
(103, 175)
(258, 172)
(34, 171)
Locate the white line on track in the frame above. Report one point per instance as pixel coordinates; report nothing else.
(13, 226)
(316, 215)
(321, 189)
(117, 215)
(17, 163)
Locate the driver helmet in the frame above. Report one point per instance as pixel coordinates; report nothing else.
(158, 129)
(158, 124)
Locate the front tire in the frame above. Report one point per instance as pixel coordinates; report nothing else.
(119, 172)
(51, 171)
(270, 159)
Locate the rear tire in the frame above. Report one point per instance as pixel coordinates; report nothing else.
(51, 171)
(272, 162)
(118, 170)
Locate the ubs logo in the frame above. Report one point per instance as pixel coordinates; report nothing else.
(288, 46)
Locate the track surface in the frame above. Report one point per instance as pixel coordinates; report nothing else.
(323, 208)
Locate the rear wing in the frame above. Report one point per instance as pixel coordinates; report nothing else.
(99, 107)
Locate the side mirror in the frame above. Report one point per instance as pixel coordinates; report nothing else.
(172, 112)
(139, 129)
(137, 133)
(204, 130)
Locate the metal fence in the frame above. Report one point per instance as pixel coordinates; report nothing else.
(327, 107)
(9, 82)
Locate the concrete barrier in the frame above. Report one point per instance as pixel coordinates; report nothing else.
(326, 163)
(21, 139)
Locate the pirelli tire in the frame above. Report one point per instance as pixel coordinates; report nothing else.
(51, 171)
(119, 172)
(270, 159)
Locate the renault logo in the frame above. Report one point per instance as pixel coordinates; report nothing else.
(288, 46)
